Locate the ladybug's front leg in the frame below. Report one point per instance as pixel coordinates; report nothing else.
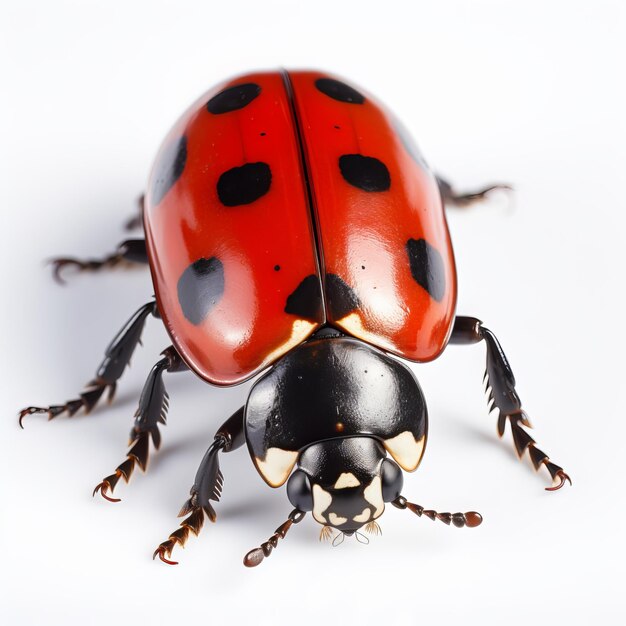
(207, 486)
(503, 396)
(454, 198)
(117, 358)
(152, 411)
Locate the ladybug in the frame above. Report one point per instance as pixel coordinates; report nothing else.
(295, 234)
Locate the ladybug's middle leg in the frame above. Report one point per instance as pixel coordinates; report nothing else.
(152, 411)
(452, 197)
(207, 486)
(503, 396)
(116, 359)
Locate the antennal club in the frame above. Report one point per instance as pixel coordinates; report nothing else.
(471, 519)
(256, 556)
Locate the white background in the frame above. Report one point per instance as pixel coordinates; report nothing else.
(530, 92)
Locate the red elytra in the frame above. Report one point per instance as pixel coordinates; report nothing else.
(280, 202)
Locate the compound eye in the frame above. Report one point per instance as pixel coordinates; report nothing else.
(299, 491)
(392, 480)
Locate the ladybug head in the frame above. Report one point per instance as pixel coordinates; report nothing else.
(345, 483)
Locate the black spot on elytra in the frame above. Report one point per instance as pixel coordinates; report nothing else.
(306, 300)
(277, 268)
(168, 169)
(337, 90)
(364, 172)
(427, 267)
(233, 98)
(341, 298)
(409, 143)
(200, 287)
(244, 184)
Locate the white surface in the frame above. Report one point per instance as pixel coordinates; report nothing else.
(527, 92)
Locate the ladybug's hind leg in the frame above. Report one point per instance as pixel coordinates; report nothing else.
(137, 219)
(152, 411)
(452, 197)
(503, 396)
(117, 358)
(129, 252)
(207, 486)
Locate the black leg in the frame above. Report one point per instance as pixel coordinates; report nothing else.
(117, 358)
(136, 220)
(452, 197)
(207, 486)
(152, 411)
(131, 251)
(503, 396)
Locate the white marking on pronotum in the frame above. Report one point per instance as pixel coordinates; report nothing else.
(321, 501)
(335, 519)
(347, 479)
(406, 450)
(373, 493)
(277, 465)
(362, 517)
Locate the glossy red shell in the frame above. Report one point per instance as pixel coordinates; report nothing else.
(236, 267)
